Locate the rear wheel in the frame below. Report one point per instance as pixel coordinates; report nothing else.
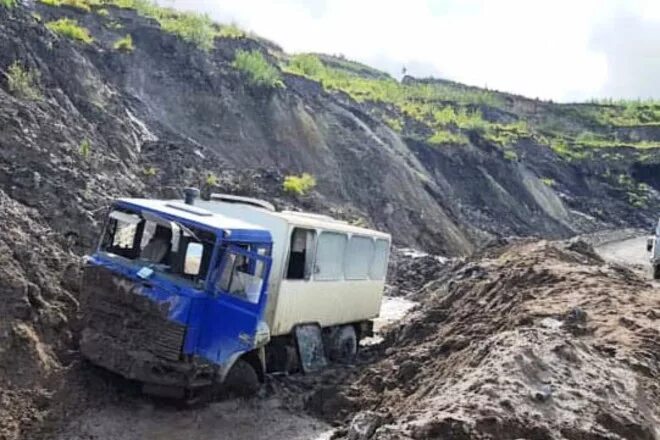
(342, 345)
(242, 380)
(656, 272)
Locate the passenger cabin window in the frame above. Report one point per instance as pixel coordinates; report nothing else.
(330, 251)
(301, 254)
(378, 268)
(359, 255)
(241, 276)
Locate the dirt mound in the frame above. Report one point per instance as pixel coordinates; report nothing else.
(537, 340)
(410, 270)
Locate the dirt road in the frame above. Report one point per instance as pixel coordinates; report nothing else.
(630, 252)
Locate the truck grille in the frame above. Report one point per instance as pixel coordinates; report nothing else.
(113, 307)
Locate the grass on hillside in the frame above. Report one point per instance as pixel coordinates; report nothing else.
(8, 3)
(70, 28)
(124, 44)
(23, 83)
(443, 137)
(258, 70)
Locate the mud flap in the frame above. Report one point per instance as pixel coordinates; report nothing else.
(309, 341)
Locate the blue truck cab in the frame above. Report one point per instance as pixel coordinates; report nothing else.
(174, 295)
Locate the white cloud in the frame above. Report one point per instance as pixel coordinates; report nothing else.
(548, 49)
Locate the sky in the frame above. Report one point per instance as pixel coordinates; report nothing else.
(563, 50)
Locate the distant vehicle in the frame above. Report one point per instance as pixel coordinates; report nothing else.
(181, 296)
(653, 246)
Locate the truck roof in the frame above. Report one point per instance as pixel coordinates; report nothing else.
(239, 228)
(301, 219)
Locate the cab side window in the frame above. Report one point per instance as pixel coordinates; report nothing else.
(242, 276)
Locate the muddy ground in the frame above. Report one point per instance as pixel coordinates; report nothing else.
(534, 340)
(537, 340)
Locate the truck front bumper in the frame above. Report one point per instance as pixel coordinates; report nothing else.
(143, 366)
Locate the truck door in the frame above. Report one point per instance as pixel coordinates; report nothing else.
(237, 305)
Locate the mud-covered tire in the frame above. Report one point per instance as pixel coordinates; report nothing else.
(656, 272)
(342, 345)
(242, 380)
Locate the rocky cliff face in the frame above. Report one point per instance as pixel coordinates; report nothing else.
(168, 114)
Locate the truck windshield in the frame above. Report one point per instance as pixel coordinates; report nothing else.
(169, 247)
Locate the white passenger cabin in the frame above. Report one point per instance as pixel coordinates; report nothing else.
(324, 270)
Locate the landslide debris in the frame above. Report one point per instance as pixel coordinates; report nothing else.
(539, 340)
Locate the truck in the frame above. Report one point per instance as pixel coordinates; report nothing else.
(182, 296)
(653, 246)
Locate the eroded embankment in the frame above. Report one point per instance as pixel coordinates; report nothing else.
(534, 340)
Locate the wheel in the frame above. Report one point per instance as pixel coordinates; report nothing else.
(656, 272)
(242, 380)
(343, 345)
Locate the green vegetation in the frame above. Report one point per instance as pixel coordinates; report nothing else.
(511, 155)
(150, 171)
(258, 70)
(548, 181)
(85, 148)
(36, 16)
(124, 44)
(386, 89)
(211, 179)
(394, 124)
(69, 28)
(305, 65)
(103, 12)
(114, 25)
(83, 5)
(441, 137)
(231, 31)
(299, 185)
(23, 83)
(195, 28)
(8, 3)
(625, 113)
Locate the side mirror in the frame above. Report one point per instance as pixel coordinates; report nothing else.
(649, 244)
(193, 260)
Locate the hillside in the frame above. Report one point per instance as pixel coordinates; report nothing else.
(108, 98)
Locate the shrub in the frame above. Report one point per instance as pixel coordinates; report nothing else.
(211, 179)
(231, 31)
(23, 83)
(194, 28)
(8, 3)
(124, 44)
(85, 148)
(258, 70)
(548, 181)
(69, 28)
(306, 64)
(394, 123)
(150, 171)
(299, 185)
(511, 155)
(103, 12)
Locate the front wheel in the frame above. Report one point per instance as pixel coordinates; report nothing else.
(242, 380)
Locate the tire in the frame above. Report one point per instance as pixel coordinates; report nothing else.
(343, 345)
(242, 380)
(656, 272)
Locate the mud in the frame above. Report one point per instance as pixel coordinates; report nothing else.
(536, 340)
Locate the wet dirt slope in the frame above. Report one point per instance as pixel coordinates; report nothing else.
(536, 340)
